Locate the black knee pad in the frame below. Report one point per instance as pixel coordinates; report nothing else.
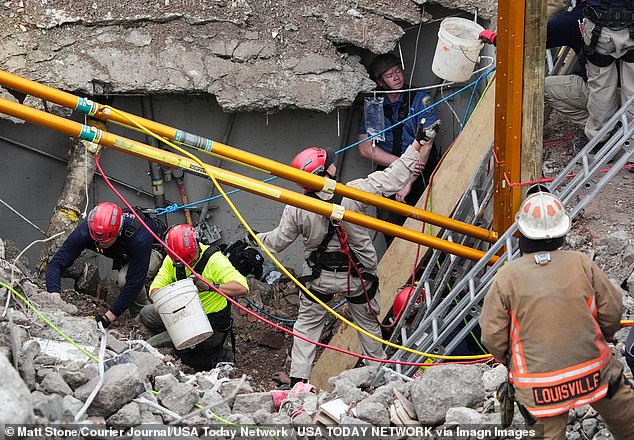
(600, 60)
(628, 57)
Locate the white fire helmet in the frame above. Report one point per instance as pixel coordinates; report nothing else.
(542, 217)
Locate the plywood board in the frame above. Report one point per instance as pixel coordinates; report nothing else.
(451, 181)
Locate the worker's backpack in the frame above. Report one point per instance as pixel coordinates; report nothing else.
(245, 258)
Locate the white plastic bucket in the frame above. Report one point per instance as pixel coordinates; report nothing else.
(182, 313)
(457, 50)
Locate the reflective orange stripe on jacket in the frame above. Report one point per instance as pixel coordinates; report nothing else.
(555, 392)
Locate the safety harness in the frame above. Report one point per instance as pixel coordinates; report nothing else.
(215, 318)
(614, 18)
(343, 260)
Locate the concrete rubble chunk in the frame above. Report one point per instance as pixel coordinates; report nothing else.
(115, 345)
(49, 406)
(373, 412)
(30, 350)
(348, 391)
(219, 407)
(229, 388)
(122, 383)
(240, 419)
(148, 365)
(382, 39)
(442, 388)
(463, 416)
(485, 9)
(250, 403)
(492, 377)
(359, 377)
(165, 381)
(384, 395)
(81, 330)
(148, 418)
(126, 417)
(15, 398)
(71, 405)
(53, 383)
(179, 398)
(260, 416)
(77, 377)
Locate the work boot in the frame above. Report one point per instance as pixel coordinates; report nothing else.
(161, 340)
(296, 380)
(580, 141)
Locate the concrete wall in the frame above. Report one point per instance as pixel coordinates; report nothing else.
(31, 182)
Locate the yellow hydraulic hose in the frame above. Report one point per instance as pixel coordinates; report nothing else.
(207, 146)
(236, 180)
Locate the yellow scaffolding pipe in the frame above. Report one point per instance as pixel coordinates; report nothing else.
(253, 186)
(204, 145)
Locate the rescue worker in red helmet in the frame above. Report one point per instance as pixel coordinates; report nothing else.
(119, 235)
(216, 269)
(325, 271)
(552, 313)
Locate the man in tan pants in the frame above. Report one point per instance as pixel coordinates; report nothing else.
(325, 271)
(550, 315)
(608, 35)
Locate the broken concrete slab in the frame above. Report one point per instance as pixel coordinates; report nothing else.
(360, 377)
(444, 387)
(179, 398)
(492, 377)
(49, 406)
(348, 391)
(122, 383)
(126, 417)
(53, 383)
(228, 389)
(250, 403)
(373, 412)
(15, 398)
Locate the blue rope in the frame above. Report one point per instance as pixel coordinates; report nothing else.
(174, 207)
(270, 315)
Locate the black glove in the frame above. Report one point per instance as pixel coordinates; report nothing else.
(248, 239)
(200, 284)
(103, 319)
(426, 134)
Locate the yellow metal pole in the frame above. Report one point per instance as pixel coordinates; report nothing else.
(207, 146)
(253, 186)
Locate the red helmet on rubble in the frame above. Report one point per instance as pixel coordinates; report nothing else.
(314, 160)
(181, 239)
(401, 300)
(104, 222)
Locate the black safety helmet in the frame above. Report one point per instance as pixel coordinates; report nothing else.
(382, 63)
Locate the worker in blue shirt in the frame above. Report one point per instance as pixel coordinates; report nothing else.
(386, 71)
(117, 235)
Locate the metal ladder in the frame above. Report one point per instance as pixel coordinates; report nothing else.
(447, 315)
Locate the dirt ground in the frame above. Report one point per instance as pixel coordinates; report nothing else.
(263, 353)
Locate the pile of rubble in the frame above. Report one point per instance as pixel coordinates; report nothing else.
(45, 380)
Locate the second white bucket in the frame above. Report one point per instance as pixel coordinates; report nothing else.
(457, 50)
(182, 313)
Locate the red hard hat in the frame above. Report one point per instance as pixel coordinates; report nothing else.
(181, 239)
(104, 222)
(314, 160)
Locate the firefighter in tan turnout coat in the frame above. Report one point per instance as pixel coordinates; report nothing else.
(553, 313)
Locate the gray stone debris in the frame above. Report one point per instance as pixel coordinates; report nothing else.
(15, 398)
(71, 405)
(122, 383)
(49, 406)
(359, 377)
(126, 417)
(180, 398)
(492, 377)
(53, 383)
(250, 403)
(228, 389)
(441, 388)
